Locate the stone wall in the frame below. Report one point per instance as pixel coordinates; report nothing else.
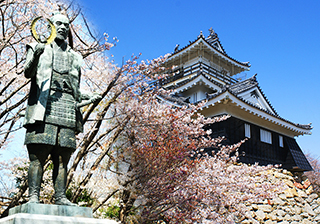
(297, 204)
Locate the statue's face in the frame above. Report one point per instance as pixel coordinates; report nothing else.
(61, 23)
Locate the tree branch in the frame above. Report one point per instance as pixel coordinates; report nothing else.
(95, 208)
(99, 159)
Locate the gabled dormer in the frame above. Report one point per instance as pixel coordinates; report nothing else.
(250, 91)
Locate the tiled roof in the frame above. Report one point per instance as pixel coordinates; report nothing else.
(182, 101)
(295, 157)
(303, 126)
(193, 78)
(245, 85)
(210, 41)
(235, 90)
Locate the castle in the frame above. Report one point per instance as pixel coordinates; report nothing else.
(204, 71)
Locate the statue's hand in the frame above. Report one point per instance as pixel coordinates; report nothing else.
(95, 97)
(39, 49)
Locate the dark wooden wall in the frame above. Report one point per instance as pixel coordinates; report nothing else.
(253, 150)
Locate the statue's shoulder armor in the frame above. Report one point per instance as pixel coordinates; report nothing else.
(32, 46)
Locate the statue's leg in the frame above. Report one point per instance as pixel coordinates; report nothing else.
(61, 157)
(38, 153)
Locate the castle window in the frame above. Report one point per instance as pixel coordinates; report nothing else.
(280, 141)
(247, 132)
(265, 136)
(195, 97)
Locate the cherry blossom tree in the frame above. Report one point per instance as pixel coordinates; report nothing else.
(168, 175)
(160, 141)
(176, 189)
(314, 176)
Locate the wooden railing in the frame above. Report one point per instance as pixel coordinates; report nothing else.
(199, 66)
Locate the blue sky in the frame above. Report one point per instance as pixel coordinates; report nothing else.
(279, 38)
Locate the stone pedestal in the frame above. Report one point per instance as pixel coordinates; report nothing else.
(51, 214)
(23, 218)
(58, 210)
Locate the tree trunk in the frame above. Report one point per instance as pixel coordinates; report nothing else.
(125, 206)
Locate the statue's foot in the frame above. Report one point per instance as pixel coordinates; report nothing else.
(33, 199)
(64, 201)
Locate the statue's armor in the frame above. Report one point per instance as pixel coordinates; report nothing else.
(60, 114)
(61, 103)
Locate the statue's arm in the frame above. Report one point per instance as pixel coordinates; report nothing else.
(88, 97)
(32, 60)
(85, 95)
